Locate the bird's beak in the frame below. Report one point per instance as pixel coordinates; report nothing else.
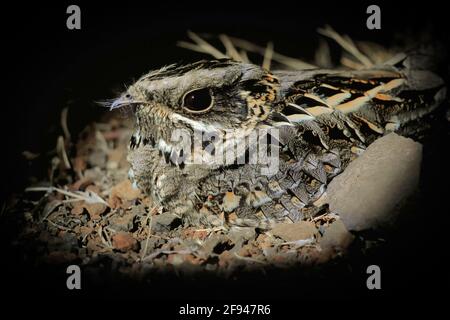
(120, 102)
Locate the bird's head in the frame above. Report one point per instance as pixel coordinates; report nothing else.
(208, 96)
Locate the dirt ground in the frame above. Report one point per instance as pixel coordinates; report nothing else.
(88, 208)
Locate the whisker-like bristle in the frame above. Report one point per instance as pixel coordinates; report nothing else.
(105, 103)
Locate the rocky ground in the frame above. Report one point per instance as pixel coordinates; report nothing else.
(87, 210)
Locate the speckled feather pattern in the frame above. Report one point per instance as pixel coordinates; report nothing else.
(325, 118)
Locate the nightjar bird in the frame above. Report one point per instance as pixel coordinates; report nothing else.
(313, 122)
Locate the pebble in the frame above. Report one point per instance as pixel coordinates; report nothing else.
(294, 231)
(123, 241)
(165, 222)
(367, 193)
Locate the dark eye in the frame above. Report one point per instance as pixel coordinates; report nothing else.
(197, 101)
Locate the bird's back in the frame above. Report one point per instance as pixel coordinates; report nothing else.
(326, 118)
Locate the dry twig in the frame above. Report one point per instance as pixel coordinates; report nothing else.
(88, 196)
(347, 44)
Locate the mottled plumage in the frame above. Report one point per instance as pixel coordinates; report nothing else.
(324, 119)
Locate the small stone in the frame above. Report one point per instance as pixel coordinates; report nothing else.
(78, 208)
(336, 237)
(225, 258)
(335, 241)
(94, 245)
(122, 223)
(269, 251)
(189, 258)
(151, 245)
(241, 234)
(80, 184)
(95, 210)
(278, 260)
(165, 222)
(124, 241)
(216, 244)
(192, 233)
(264, 241)
(123, 194)
(295, 231)
(367, 193)
(249, 250)
(139, 210)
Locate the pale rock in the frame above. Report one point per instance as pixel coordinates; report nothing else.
(367, 193)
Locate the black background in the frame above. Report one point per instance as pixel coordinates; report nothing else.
(47, 67)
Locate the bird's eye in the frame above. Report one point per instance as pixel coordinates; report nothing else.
(198, 101)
